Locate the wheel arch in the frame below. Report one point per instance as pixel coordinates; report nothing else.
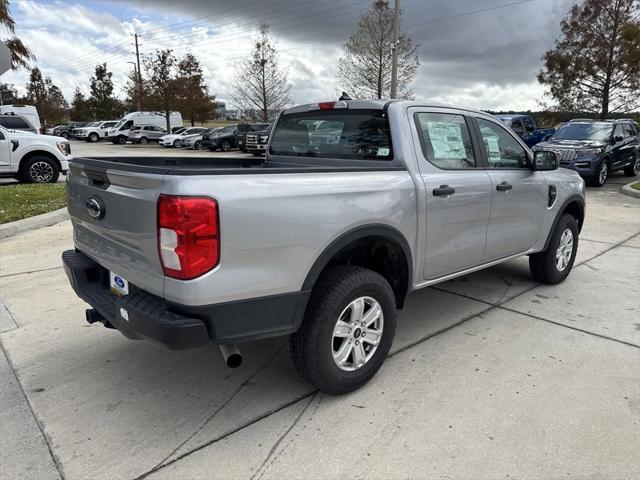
(361, 246)
(574, 206)
(38, 153)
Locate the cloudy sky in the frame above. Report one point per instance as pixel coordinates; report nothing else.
(477, 53)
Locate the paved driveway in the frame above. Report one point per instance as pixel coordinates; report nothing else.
(490, 376)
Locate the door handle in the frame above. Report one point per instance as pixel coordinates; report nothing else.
(443, 190)
(504, 187)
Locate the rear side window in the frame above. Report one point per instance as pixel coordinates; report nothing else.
(14, 123)
(342, 134)
(528, 125)
(445, 140)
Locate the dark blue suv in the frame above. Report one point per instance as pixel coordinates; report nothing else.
(594, 148)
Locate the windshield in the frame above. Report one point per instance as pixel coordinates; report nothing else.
(178, 131)
(119, 124)
(343, 134)
(599, 131)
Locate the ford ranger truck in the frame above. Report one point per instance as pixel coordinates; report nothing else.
(355, 205)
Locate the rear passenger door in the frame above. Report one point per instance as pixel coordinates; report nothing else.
(458, 191)
(519, 194)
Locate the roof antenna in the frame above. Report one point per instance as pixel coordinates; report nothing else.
(345, 96)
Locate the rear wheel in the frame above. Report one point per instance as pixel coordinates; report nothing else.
(601, 175)
(554, 264)
(633, 169)
(39, 169)
(347, 331)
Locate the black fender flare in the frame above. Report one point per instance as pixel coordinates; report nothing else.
(575, 198)
(376, 230)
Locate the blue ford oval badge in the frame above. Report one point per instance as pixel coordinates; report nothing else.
(95, 207)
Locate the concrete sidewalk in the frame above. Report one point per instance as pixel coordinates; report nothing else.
(491, 376)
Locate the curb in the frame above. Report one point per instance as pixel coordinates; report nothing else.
(12, 229)
(632, 192)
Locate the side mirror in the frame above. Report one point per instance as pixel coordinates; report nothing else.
(544, 160)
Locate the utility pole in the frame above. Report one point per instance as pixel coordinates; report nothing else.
(138, 72)
(394, 50)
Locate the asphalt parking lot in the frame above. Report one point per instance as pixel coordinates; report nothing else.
(491, 376)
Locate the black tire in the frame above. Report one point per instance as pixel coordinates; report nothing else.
(177, 143)
(311, 347)
(94, 137)
(633, 169)
(197, 145)
(121, 140)
(65, 135)
(598, 180)
(544, 265)
(39, 169)
(225, 146)
(144, 140)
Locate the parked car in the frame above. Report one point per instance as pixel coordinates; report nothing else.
(223, 139)
(119, 134)
(195, 141)
(146, 133)
(27, 113)
(257, 141)
(175, 139)
(14, 121)
(525, 127)
(244, 129)
(33, 158)
(95, 131)
(324, 239)
(65, 130)
(594, 149)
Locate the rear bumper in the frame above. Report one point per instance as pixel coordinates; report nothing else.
(180, 326)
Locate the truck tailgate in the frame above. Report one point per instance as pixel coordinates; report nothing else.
(122, 237)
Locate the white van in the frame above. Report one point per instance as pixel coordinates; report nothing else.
(27, 112)
(120, 132)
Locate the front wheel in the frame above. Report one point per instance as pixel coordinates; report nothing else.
(225, 146)
(554, 264)
(94, 137)
(144, 140)
(601, 176)
(39, 169)
(197, 145)
(122, 140)
(633, 169)
(177, 144)
(347, 331)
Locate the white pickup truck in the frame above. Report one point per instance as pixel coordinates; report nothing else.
(94, 131)
(33, 158)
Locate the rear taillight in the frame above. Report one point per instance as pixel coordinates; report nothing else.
(188, 235)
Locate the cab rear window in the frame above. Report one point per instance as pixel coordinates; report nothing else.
(341, 134)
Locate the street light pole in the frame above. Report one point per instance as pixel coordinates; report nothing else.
(394, 51)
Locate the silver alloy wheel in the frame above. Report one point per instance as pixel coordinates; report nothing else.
(41, 172)
(604, 172)
(177, 144)
(357, 333)
(565, 250)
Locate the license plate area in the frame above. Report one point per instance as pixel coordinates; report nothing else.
(118, 285)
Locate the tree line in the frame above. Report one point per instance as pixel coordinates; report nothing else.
(593, 66)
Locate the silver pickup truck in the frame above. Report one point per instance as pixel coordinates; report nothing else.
(356, 204)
